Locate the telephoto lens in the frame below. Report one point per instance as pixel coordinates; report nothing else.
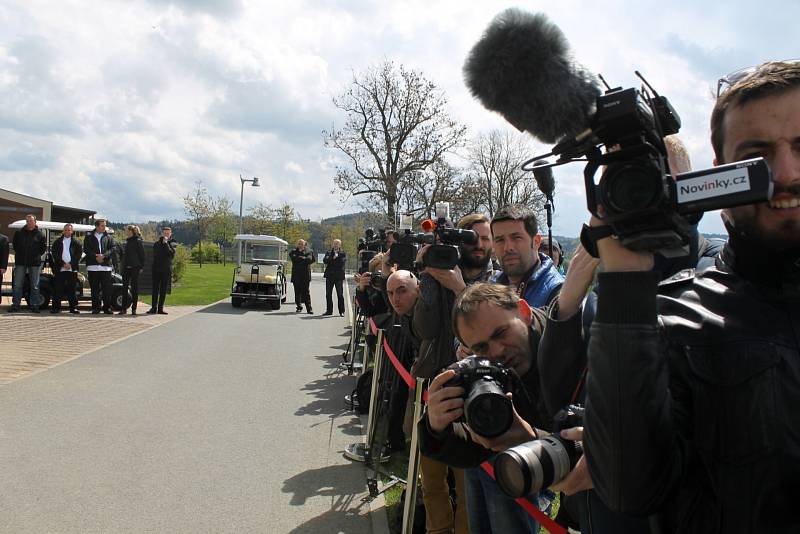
(534, 465)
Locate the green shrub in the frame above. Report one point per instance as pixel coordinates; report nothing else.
(179, 263)
(211, 253)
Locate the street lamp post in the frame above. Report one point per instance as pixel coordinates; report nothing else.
(255, 183)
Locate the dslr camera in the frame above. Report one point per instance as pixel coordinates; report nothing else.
(487, 410)
(645, 206)
(444, 239)
(540, 463)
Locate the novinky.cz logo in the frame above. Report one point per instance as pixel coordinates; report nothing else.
(713, 185)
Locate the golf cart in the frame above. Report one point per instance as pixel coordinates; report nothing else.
(82, 288)
(261, 271)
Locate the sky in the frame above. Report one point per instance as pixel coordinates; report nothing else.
(123, 106)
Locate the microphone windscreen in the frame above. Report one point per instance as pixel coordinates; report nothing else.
(522, 68)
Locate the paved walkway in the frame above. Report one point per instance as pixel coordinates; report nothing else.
(223, 420)
(34, 342)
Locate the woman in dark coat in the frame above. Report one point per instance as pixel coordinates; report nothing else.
(133, 259)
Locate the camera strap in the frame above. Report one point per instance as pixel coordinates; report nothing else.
(590, 235)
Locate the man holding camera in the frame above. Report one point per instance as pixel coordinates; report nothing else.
(334, 260)
(163, 254)
(432, 324)
(691, 392)
(302, 258)
(491, 320)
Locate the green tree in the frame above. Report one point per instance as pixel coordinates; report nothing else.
(200, 207)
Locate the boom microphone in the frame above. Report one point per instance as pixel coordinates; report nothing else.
(544, 179)
(522, 68)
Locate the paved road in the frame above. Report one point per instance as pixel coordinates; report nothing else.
(220, 421)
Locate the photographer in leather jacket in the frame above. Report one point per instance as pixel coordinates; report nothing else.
(691, 393)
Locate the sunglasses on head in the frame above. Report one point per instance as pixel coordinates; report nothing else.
(725, 83)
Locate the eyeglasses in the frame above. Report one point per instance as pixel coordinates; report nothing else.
(724, 83)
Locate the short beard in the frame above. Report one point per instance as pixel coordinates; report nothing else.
(469, 262)
(784, 238)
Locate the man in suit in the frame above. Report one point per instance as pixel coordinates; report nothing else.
(100, 248)
(3, 257)
(66, 255)
(334, 260)
(163, 254)
(302, 257)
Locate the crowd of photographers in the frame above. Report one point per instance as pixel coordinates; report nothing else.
(683, 370)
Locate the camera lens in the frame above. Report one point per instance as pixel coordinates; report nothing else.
(534, 465)
(487, 410)
(631, 186)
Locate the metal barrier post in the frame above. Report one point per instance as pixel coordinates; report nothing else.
(413, 463)
(373, 397)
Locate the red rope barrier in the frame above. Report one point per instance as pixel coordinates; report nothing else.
(540, 517)
(401, 370)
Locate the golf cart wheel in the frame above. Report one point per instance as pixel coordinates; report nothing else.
(236, 302)
(275, 304)
(119, 300)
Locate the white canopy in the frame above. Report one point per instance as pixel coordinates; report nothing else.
(58, 226)
(260, 238)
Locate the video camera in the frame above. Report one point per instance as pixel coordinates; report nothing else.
(542, 462)
(404, 252)
(369, 246)
(444, 239)
(487, 410)
(645, 206)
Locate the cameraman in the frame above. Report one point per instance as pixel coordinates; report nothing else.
(696, 385)
(432, 324)
(491, 320)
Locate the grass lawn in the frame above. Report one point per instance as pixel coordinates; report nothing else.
(200, 286)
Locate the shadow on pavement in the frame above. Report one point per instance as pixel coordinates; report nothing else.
(342, 520)
(225, 308)
(329, 393)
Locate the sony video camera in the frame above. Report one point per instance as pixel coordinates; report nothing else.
(444, 240)
(487, 410)
(645, 206)
(540, 463)
(368, 247)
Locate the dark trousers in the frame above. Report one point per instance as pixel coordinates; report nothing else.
(130, 281)
(301, 294)
(329, 285)
(64, 286)
(100, 281)
(160, 285)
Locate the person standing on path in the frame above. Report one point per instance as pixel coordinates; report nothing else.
(163, 254)
(302, 257)
(3, 257)
(67, 252)
(29, 245)
(99, 247)
(133, 259)
(335, 261)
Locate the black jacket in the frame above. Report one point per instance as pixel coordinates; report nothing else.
(75, 251)
(371, 301)
(692, 399)
(163, 254)
(91, 248)
(3, 252)
(301, 265)
(455, 447)
(29, 245)
(133, 252)
(334, 267)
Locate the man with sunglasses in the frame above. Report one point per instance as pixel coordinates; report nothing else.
(692, 394)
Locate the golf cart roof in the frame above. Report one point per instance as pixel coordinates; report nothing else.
(57, 226)
(260, 238)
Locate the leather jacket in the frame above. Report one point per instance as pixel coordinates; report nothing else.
(692, 397)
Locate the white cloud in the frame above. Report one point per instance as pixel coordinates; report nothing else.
(122, 106)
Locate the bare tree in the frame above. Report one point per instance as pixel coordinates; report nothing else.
(495, 160)
(396, 125)
(200, 207)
